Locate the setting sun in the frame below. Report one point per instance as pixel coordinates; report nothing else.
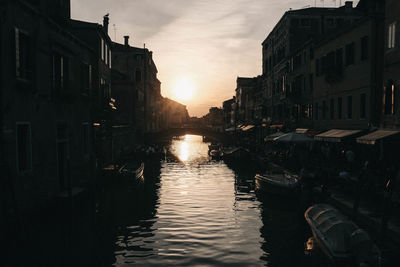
(184, 89)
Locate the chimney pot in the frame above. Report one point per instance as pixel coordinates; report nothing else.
(126, 38)
(349, 4)
(106, 21)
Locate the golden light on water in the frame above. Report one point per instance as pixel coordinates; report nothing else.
(190, 148)
(184, 89)
(184, 151)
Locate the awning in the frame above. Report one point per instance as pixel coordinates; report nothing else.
(276, 126)
(248, 127)
(301, 130)
(335, 135)
(371, 138)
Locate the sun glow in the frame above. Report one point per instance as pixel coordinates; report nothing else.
(184, 89)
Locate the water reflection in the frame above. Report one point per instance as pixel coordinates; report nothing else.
(196, 211)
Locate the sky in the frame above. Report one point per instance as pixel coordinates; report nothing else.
(207, 43)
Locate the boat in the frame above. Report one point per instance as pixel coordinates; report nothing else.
(213, 147)
(236, 153)
(132, 171)
(339, 238)
(216, 154)
(278, 181)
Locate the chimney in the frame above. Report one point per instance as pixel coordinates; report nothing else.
(348, 5)
(106, 21)
(126, 38)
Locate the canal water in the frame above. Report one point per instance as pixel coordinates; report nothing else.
(195, 211)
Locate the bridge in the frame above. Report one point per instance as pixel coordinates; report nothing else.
(220, 137)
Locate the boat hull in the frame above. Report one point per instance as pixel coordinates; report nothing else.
(269, 187)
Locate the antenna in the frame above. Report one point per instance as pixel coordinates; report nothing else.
(115, 32)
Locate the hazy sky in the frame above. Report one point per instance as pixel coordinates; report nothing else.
(208, 42)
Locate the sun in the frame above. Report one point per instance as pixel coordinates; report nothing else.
(184, 89)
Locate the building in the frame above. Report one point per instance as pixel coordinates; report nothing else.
(281, 54)
(247, 95)
(391, 85)
(96, 36)
(142, 85)
(227, 109)
(215, 119)
(172, 114)
(46, 108)
(348, 76)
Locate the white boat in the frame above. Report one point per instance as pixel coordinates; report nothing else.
(339, 238)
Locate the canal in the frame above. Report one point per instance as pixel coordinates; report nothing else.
(194, 211)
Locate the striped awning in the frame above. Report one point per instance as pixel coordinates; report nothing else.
(372, 138)
(335, 135)
(248, 127)
(301, 130)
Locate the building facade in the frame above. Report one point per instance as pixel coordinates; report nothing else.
(348, 77)
(391, 82)
(46, 128)
(282, 62)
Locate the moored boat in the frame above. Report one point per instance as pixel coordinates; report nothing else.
(236, 153)
(132, 171)
(339, 238)
(278, 181)
(216, 154)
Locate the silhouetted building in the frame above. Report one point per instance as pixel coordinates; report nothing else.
(215, 119)
(281, 54)
(391, 88)
(96, 36)
(141, 84)
(227, 109)
(348, 68)
(46, 106)
(172, 114)
(247, 92)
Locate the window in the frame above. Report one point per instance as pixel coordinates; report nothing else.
(364, 48)
(109, 59)
(324, 110)
(85, 138)
(392, 35)
(311, 82)
(363, 106)
(316, 111)
(389, 98)
(350, 107)
(350, 54)
(24, 147)
(339, 59)
(332, 108)
(85, 78)
(106, 54)
(138, 76)
(60, 72)
(102, 49)
(318, 67)
(23, 55)
(339, 107)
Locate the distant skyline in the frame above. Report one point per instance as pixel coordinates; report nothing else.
(208, 42)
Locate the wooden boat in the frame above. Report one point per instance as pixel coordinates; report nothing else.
(216, 154)
(132, 171)
(213, 147)
(278, 181)
(339, 238)
(237, 153)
